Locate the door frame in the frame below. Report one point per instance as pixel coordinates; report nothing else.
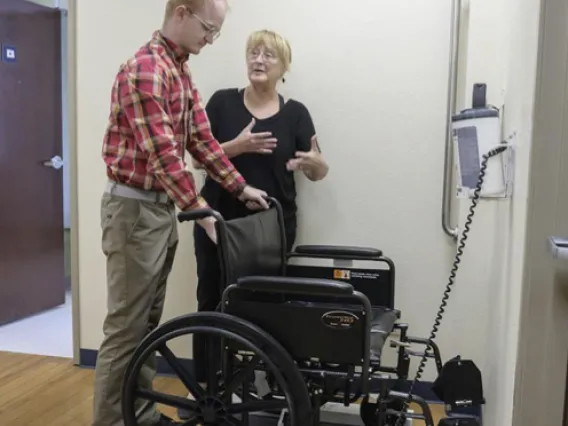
(70, 6)
(72, 162)
(543, 342)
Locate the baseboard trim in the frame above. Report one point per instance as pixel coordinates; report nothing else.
(88, 359)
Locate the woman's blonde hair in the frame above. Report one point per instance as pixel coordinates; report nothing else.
(271, 40)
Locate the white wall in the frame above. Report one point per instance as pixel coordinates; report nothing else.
(502, 52)
(95, 73)
(377, 95)
(374, 77)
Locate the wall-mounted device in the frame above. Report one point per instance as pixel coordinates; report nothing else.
(476, 131)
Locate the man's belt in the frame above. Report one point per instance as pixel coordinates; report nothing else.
(126, 191)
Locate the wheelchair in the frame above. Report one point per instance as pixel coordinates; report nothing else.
(288, 338)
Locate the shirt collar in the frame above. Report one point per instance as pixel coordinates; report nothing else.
(171, 48)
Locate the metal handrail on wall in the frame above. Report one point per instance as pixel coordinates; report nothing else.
(450, 110)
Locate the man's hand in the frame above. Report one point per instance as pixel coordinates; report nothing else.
(260, 143)
(208, 224)
(254, 198)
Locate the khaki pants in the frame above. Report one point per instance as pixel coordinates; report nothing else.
(139, 242)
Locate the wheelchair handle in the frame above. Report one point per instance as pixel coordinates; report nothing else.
(271, 201)
(198, 214)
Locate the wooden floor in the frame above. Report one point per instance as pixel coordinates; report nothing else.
(44, 391)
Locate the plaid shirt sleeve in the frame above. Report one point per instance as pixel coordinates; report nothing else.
(207, 150)
(143, 95)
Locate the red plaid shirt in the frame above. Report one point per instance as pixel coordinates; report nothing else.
(156, 114)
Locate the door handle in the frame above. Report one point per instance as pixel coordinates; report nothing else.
(558, 247)
(55, 162)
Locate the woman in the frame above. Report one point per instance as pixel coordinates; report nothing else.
(268, 138)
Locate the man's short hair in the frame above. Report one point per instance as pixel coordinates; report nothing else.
(193, 5)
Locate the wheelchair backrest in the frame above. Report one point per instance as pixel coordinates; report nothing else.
(253, 245)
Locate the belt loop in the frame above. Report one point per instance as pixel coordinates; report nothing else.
(112, 187)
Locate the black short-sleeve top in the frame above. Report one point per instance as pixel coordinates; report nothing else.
(293, 127)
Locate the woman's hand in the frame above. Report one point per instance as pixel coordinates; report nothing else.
(246, 141)
(310, 162)
(260, 143)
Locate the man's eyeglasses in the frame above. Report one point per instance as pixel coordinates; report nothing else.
(211, 31)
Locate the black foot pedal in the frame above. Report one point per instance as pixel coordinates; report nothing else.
(459, 384)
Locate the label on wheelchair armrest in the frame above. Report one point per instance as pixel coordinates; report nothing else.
(348, 274)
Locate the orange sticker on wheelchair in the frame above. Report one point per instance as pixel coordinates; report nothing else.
(341, 274)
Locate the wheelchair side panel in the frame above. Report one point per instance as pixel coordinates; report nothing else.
(376, 284)
(330, 332)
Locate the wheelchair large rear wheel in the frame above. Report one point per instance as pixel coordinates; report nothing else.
(216, 404)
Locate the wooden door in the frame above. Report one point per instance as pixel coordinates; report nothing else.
(32, 276)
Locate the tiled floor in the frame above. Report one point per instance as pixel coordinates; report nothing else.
(48, 334)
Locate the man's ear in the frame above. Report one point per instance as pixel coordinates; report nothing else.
(182, 10)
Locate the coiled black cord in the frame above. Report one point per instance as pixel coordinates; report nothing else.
(475, 199)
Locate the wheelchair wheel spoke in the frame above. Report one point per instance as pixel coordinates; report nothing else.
(185, 376)
(240, 377)
(255, 406)
(169, 400)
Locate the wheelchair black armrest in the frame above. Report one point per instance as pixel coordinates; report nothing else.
(311, 286)
(339, 252)
(198, 214)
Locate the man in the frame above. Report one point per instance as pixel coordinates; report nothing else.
(156, 114)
